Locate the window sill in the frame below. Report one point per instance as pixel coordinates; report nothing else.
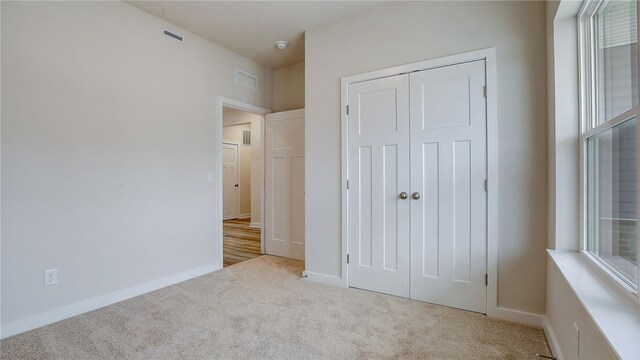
(615, 314)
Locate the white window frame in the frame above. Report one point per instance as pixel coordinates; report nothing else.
(588, 128)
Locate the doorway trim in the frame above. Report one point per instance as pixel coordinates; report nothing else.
(223, 102)
(489, 56)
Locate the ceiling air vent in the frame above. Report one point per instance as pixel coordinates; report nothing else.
(173, 35)
(245, 79)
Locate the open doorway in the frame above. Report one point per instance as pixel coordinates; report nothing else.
(242, 185)
(248, 139)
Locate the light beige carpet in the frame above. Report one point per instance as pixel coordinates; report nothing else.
(261, 309)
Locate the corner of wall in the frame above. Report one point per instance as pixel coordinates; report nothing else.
(288, 88)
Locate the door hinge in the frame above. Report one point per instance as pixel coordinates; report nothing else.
(486, 185)
(486, 279)
(347, 109)
(347, 258)
(484, 91)
(347, 184)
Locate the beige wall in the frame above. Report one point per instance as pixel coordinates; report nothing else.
(235, 117)
(108, 134)
(233, 134)
(288, 88)
(402, 33)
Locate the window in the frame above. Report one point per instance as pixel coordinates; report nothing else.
(609, 109)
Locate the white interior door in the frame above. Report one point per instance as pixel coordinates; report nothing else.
(284, 177)
(378, 167)
(448, 170)
(230, 181)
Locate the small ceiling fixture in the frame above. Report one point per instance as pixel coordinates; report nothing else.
(281, 44)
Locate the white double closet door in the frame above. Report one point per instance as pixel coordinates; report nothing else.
(417, 166)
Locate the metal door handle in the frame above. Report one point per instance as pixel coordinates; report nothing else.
(403, 195)
(415, 195)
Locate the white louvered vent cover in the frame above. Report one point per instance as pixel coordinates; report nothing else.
(245, 79)
(246, 137)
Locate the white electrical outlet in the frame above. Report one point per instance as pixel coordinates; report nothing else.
(50, 277)
(209, 178)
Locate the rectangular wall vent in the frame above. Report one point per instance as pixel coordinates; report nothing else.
(173, 35)
(246, 137)
(245, 79)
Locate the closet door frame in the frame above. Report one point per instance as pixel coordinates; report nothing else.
(489, 56)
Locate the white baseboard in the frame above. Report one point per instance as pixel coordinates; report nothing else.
(535, 320)
(324, 279)
(244, 216)
(520, 317)
(66, 312)
(255, 225)
(551, 339)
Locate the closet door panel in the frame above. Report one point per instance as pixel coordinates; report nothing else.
(448, 170)
(378, 167)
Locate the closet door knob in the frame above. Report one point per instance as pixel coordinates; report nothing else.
(415, 195)
(403, 195)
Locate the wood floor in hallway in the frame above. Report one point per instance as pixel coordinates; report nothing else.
(241, 242)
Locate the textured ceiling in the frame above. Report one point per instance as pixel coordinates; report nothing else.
(251, 28)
